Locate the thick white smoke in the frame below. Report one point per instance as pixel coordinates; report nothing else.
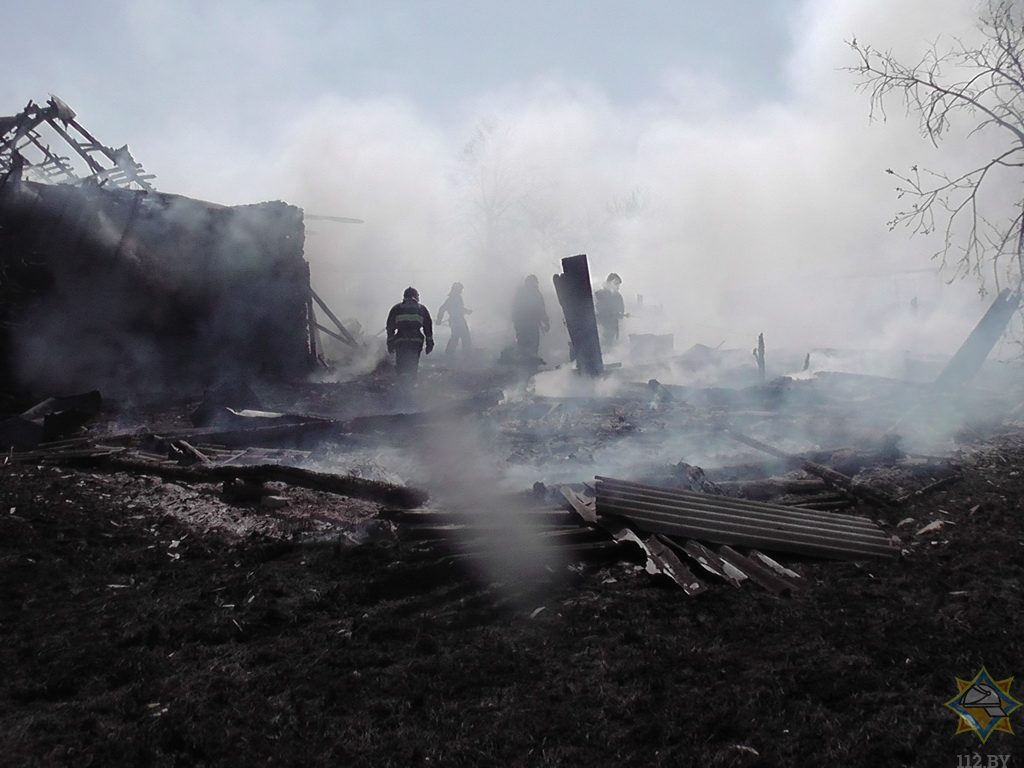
(730, 216)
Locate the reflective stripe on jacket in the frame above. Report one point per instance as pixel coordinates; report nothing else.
(410, 321)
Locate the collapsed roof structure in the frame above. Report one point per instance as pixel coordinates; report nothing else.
(107, 281)
(24, 149)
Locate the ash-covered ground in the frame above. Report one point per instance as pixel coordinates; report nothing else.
(156, 622)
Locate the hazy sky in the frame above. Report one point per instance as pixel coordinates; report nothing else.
(248, 63)
(713, 152)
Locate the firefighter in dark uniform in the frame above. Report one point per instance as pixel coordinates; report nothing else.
(457, 312)
(530, 318)
(409, 328)
(609, 308)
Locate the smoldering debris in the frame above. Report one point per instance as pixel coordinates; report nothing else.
(772, 475)
(700, 466)
(816, 466)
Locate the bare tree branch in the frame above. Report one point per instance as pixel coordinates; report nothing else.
(981, 86)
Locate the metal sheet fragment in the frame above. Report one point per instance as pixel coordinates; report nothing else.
(713, 563)
(735, 522)
(584, 506)
(660, 559)
(757, 572)
(775, 566)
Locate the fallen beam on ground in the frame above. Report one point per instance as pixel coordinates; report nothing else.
(839, 480)
(267, 436)
(342, 485)
(738, 522)
(831, 476)
(770, 487)
(934, 486)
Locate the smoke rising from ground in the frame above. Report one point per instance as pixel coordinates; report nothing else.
(729, 215)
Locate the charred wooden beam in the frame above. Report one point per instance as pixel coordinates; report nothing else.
(759, 357)
(770, 487)
(343, 485)
(831, 476)
(344, 336)
(577, 299)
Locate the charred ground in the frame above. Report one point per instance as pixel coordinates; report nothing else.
(141, 629)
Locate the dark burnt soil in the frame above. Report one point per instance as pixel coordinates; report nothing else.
(129, 638)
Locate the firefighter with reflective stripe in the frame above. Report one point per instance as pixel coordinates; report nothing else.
(409, 328)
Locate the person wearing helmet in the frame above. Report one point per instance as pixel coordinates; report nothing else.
(530, 317)
(457, 312)
(409, 328)
(609, 308)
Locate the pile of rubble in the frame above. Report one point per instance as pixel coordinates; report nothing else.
(749, 519)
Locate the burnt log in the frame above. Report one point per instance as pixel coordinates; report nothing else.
(342, 485)
(831, 476)
(770, 487)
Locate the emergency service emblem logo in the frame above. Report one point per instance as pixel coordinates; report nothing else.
(983, 705)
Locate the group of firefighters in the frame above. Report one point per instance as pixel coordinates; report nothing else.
(410, 328)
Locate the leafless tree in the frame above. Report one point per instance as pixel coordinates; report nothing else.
(977, 86)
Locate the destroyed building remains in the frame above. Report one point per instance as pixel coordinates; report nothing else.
(607, 532)
(109, 283)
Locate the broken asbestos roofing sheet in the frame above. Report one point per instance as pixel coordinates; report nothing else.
(737, 522)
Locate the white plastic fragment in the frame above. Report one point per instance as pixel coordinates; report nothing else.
(934, 526)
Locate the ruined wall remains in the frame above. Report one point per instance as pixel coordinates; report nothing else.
(124, 289)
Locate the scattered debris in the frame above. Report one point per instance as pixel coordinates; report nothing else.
(253, 474)
(739, 522)
(933, 527)
(49, 420)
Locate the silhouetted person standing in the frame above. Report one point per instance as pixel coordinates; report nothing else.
(457, 312)
(530, 318)
(409, 328)
(609, 308)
